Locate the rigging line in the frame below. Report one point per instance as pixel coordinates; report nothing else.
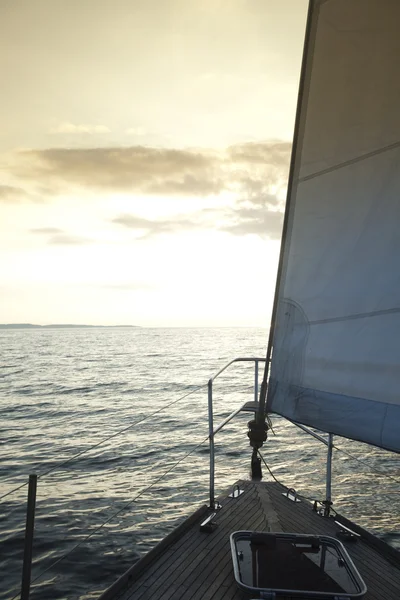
(280, 483)
(14, 490)
(307, 497)
(269, 470)
(364, 462)
(360, 460)
(92, 533)
(106, 439)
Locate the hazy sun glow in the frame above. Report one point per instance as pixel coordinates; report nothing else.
(144, 164)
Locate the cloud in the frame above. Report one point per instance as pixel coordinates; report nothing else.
(253, 172)
(10, 193)
(64, 239)
(256, 220)
(237, 220)
(262, 218)
(147, 170)
(59, 237)
(272, 153)
(46, 230)
(67, 127)
(253, 176)
(154, 227)
(136, 169)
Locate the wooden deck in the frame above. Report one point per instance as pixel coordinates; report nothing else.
(193, 565)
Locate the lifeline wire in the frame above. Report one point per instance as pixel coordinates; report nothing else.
(116, 513)
(60, 465)
(360, 460)
(364, 462)
(313, 499)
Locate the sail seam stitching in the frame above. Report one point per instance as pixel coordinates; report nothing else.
(352, 161)
(375, 313)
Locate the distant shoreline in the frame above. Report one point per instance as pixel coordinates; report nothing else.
(58, 326)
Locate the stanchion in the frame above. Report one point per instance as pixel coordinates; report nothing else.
(29, 528)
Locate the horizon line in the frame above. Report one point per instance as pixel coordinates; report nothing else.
(84, 325)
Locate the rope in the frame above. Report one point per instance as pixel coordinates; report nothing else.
(126, 505)
(106, 439)
(270, 472)
(282, 484)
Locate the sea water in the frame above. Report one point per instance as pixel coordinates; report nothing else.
(62, 391)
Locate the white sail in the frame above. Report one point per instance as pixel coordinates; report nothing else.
(336, 339)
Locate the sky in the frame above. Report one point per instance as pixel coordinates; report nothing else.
(144, 153)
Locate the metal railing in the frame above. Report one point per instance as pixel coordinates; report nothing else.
(214, 430)
(329, 443)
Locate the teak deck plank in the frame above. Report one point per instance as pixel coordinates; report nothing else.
(380, 576)
(204, 570)
(177, 563)
(194, 565)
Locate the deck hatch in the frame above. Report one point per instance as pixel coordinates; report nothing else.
(299, 565)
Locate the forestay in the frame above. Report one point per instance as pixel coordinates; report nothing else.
(336, 341)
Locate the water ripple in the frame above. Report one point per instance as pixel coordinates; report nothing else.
(64, 391)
